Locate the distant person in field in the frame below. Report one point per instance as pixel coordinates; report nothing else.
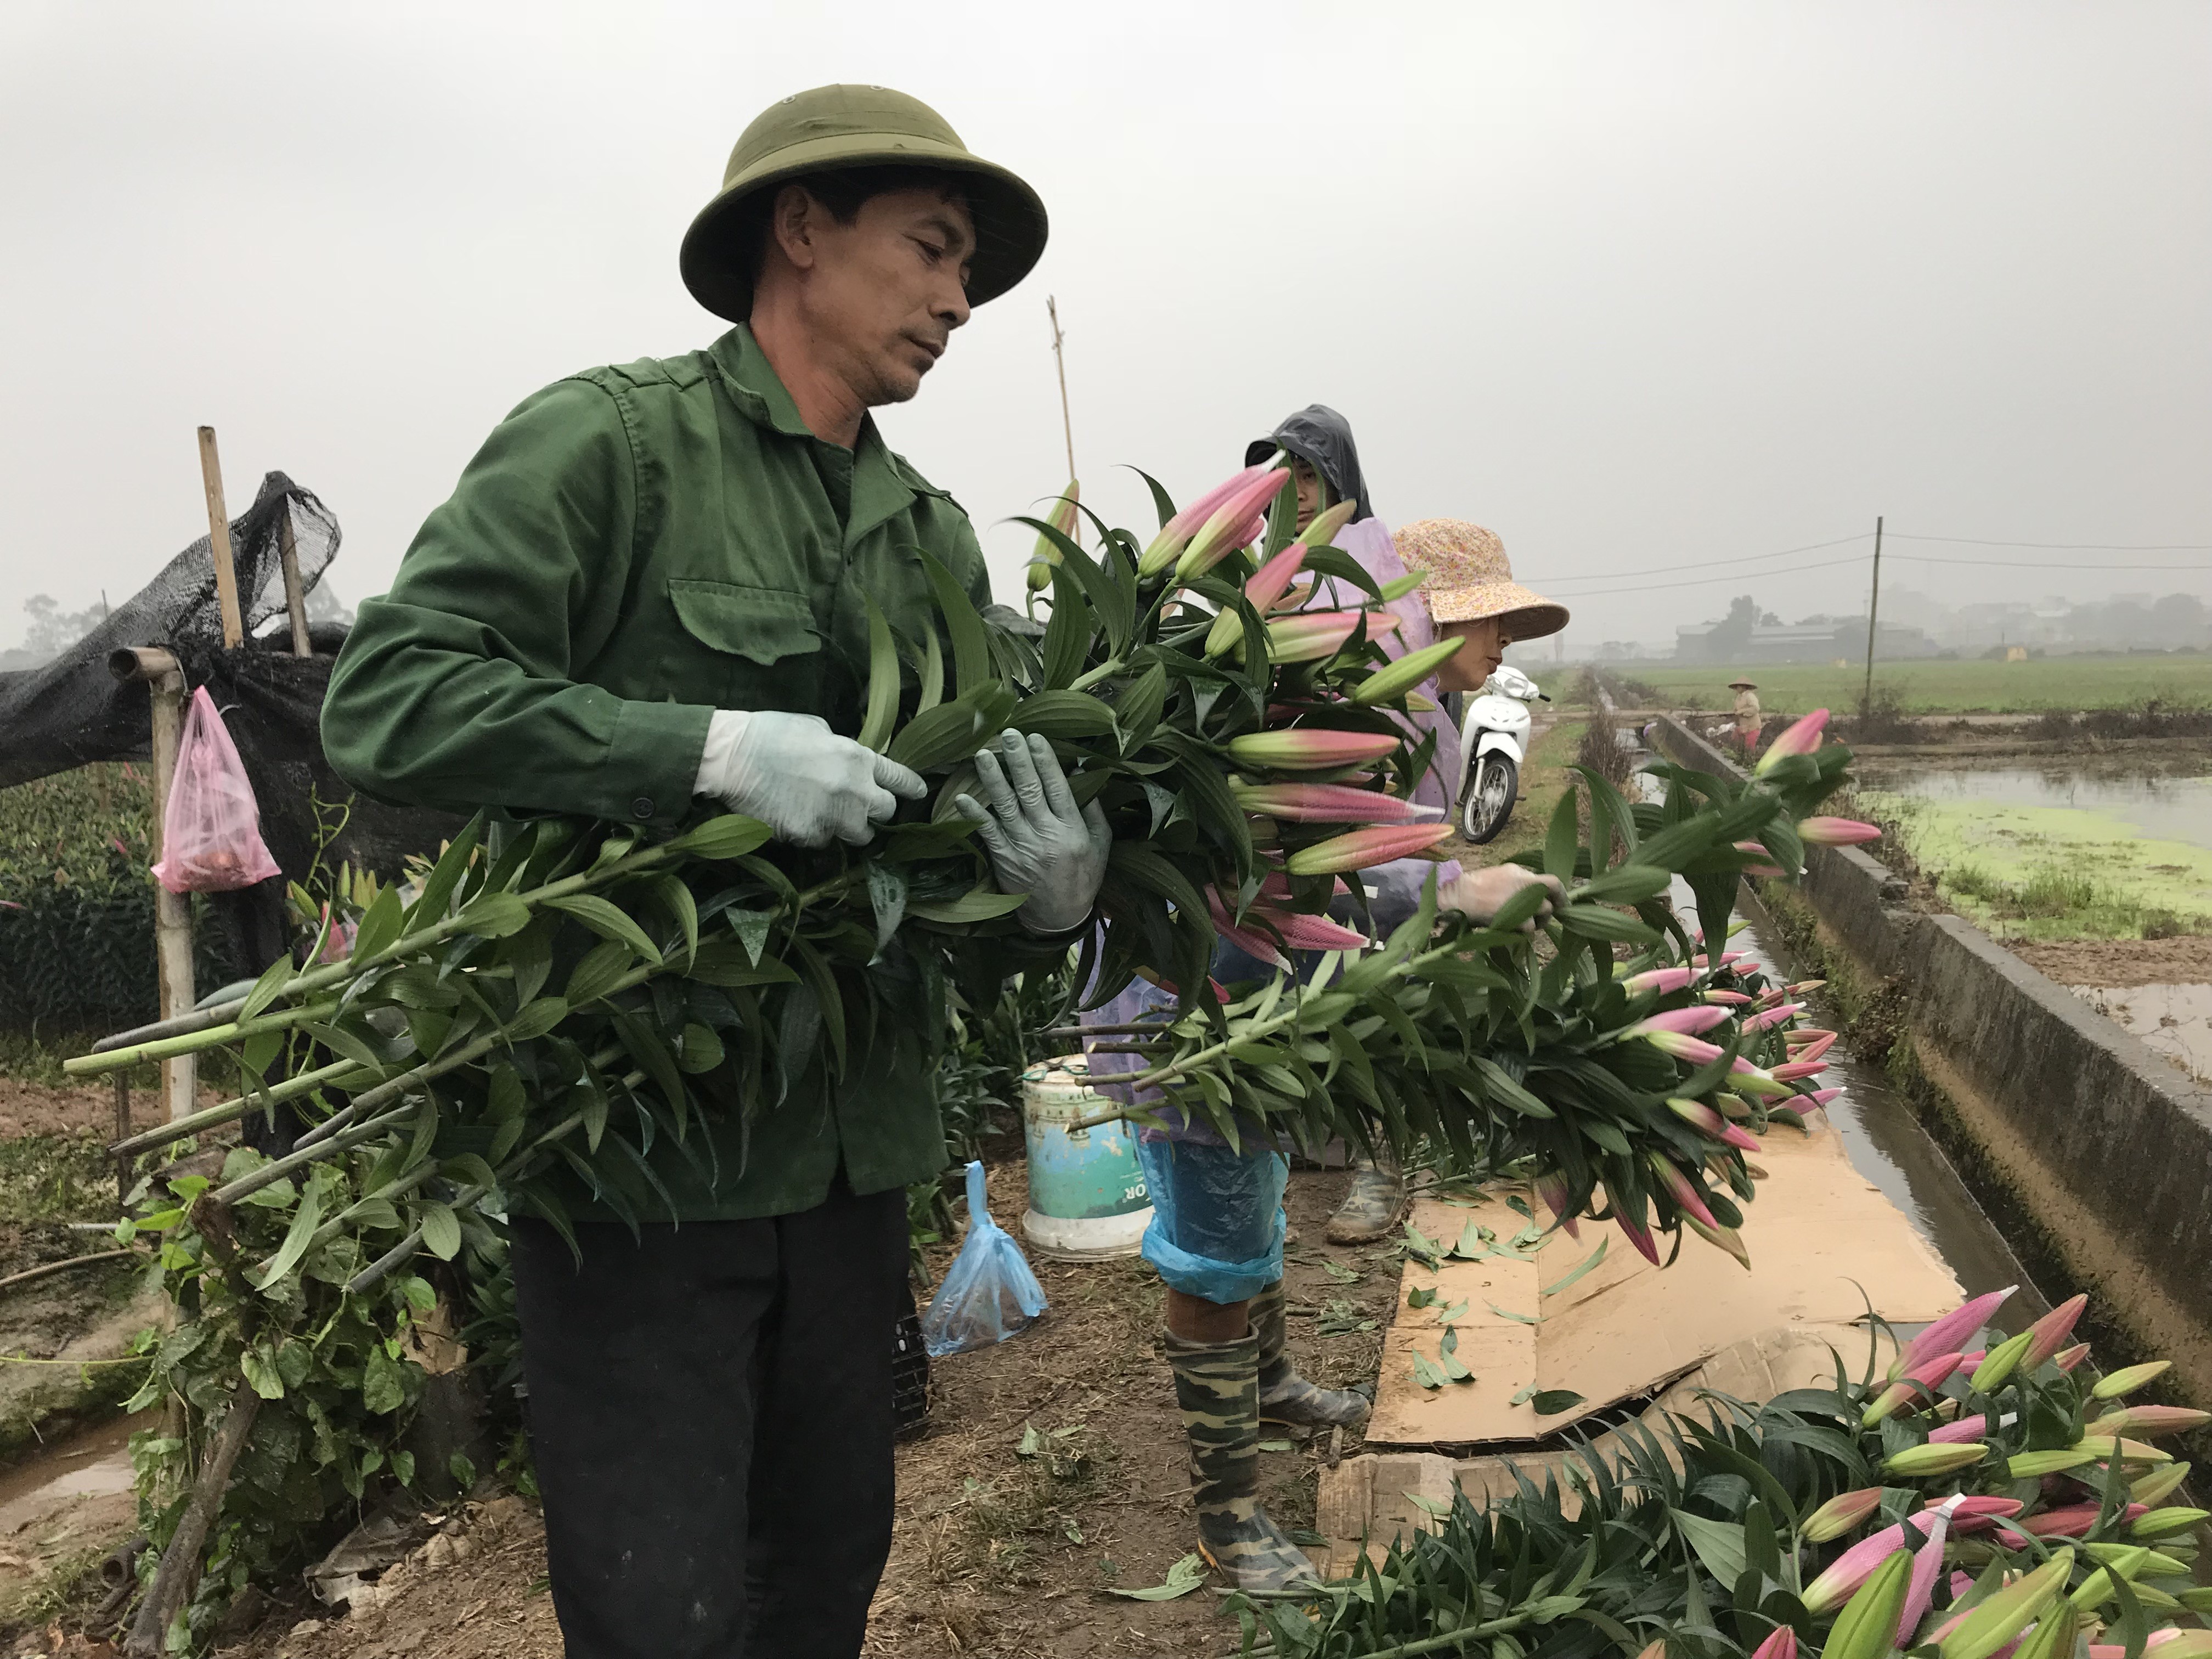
(1748, 716)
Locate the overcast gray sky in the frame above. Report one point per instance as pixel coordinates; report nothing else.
(1637, 286)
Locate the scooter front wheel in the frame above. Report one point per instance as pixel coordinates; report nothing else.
(1491, 793)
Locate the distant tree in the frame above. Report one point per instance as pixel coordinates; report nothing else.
(52, 630)
(1731, 635)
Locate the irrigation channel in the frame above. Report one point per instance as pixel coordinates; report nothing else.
(2122, 840)
(1884, 1139)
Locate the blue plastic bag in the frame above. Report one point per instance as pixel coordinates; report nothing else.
(989, 1293)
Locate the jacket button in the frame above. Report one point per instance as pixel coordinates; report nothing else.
(641, 807)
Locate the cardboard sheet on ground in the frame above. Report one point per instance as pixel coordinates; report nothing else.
(1817, 1232)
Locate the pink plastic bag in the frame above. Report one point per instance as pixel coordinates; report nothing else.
(211, 829)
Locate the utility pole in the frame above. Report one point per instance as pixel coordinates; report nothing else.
(1060, 360)
(1874, 606)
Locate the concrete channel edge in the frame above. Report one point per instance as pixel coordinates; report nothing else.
(2073, 1133)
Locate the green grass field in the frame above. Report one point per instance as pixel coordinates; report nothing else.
(1947, 687)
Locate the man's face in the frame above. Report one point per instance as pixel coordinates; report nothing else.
(1475, 662)
(1307, 482)
(885, 291)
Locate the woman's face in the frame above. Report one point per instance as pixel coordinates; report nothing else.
(1307, 482)
(1478, 659)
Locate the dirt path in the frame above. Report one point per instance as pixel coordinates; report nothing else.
(994, 1554)
(2116, 963)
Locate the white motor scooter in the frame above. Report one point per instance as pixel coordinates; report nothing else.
(1493, 738)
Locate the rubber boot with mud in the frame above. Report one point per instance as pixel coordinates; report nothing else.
(1217, 1386)
(1370, 1209)
(1286, 1398)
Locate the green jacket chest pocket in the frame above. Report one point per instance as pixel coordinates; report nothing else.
(761, 642)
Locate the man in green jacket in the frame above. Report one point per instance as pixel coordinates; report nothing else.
(647, 589)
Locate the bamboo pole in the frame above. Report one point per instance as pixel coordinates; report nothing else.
(180, 1562)
(296, 597)
(226, 572)
(173, 912)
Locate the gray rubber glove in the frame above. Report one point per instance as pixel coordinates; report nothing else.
(800, 778)
(1038, 842)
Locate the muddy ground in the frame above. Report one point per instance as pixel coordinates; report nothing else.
(993, 1553)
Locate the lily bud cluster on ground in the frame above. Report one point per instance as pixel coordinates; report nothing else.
(1976, 1498)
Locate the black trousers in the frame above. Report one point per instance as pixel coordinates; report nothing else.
(711, 1414)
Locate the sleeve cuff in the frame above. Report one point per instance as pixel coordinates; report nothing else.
(652, 761)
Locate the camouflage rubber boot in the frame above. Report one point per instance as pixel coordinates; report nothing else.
(1285, 1396)
(1370, 1209)
(1217, 1386)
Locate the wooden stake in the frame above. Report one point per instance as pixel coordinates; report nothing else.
(123, 1132)
(226, 572)
(180, 1563)
(1873, 605)
(1060, 360)
(173, 913)
(296, 597)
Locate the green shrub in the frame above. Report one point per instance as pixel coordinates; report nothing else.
(76, 905)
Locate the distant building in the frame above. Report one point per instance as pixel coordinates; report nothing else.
(1821, 640)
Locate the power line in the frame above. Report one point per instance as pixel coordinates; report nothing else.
(1704, 564)
(2021, 565)
(2067, 547)
(1706, 582)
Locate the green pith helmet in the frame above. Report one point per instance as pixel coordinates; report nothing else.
(855, 126)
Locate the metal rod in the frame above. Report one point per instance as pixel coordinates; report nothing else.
(182, 1025)
(123, 1132)
(1123, 1029)
(1873, 605)
(226, 572)
(63, 1266)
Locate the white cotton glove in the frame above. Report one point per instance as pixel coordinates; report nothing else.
(1038, 842)
(800, 778)
(1478, 894)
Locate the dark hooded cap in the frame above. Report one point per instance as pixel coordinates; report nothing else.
(1321, 438)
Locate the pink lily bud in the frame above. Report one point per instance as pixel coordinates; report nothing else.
(2074, 1520)
(1306, 932)
(2148, 1420)
(1966, 1428)
(1805, 984)
(1552, 1188)
(1773, 1016)
(1930, 1374)
(1361, 849)
(1326, 803)
(2050, 1332)
(1751, 1080)
(1639, 1237)
(2067, 1359)
(1795, 1070)
(1768, 998)
(1249, 940)
(1265, 587)
(1696, 1050)
(1801, 738)
(1975, 1514)
(1855, 1565)
(1920, 1588)
(1175, 535)
(1721, 1238)
(1683, 1190)
(1278, 888)
(1949, 1333)
(1663, 980)
(1782, 1644)
(1841, 1514)
(1062, 519)
(1707, 1121)
(1234, 524)
(1734, 1106)
(1690, 1021)
(1809, 1036)
(1724, 999)
(1835, 832)
(1310, 750)
(1310, 635)
(1765, 866)
(1822, 1097)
